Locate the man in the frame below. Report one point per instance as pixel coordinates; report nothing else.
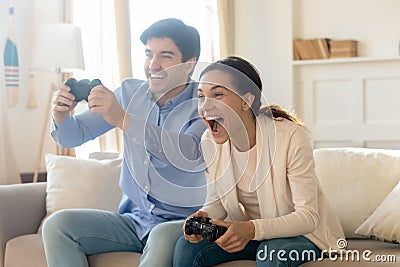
(162, 174)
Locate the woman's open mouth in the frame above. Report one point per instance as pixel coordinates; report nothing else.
(215, 123)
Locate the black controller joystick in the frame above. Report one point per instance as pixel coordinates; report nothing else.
(204, 227)
(80, 89)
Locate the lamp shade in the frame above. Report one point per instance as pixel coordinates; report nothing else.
(58, 47)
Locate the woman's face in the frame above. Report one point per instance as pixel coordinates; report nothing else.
(220, 106)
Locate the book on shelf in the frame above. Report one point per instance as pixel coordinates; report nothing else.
(303, 49)
(344, 54)
(343, 43)
(308, 45)
(296, 53)
(306, 49)
(316, 48)
(344, 48)
(300, 50)
(324, 48)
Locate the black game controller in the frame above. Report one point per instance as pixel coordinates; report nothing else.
(80, 89)
(204, 227)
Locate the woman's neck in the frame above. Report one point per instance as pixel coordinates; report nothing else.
(245, 140)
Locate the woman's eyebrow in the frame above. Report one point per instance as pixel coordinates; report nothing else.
(218, 86)
(214, 87)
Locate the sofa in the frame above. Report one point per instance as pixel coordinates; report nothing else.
(362, 185)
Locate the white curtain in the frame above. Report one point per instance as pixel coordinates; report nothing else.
(226, 27)
(114, 52)
(112, 141)
(123, 38)
(9, 173)
(103, 56)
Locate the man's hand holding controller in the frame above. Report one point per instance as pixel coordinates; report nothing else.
(100, 100)
(80, 89)
(68, 96)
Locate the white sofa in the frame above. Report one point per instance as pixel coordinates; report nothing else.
(355, 180)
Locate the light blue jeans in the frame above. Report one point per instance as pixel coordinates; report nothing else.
(272, 252)
(71, 235)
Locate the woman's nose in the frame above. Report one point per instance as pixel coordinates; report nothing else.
(206, 104)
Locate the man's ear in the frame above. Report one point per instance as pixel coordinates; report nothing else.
(248, 100)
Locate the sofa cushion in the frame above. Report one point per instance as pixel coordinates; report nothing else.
(356, 181)
(82, 183)
(24, 250)
(384, 224)
(28, 250)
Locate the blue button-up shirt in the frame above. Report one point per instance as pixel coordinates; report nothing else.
(162, 176)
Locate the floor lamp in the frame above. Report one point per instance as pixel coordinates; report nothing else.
(58, 48)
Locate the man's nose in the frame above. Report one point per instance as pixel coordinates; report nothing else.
(155, 63)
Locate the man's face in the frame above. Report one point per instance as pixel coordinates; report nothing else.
(163, 65)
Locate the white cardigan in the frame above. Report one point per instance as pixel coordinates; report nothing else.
(290, 198)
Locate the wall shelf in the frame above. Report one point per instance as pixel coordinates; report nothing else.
(344, 60)
(350, 101)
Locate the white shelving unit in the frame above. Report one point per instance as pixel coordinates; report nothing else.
(344, 60)
(350, 101)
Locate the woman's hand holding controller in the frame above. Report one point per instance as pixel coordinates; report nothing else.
(194, 238)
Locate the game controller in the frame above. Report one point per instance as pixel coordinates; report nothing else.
(204, 227)
(80, 89)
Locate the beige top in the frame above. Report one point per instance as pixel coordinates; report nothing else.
(244, 166)
(290, 198)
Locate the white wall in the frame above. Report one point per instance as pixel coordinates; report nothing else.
(374, 23)
(264, 32)
(264, 36)
(25, 125)
(350, 101)
(265, 29)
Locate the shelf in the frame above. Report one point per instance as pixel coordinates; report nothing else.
(344, 60)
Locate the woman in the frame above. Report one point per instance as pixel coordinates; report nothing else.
(260, 174)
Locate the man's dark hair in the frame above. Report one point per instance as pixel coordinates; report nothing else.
(185, 37)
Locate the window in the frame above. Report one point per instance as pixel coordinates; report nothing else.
(200, 14)
(100, 50)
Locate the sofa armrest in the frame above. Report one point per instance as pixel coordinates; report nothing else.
(22, 207)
